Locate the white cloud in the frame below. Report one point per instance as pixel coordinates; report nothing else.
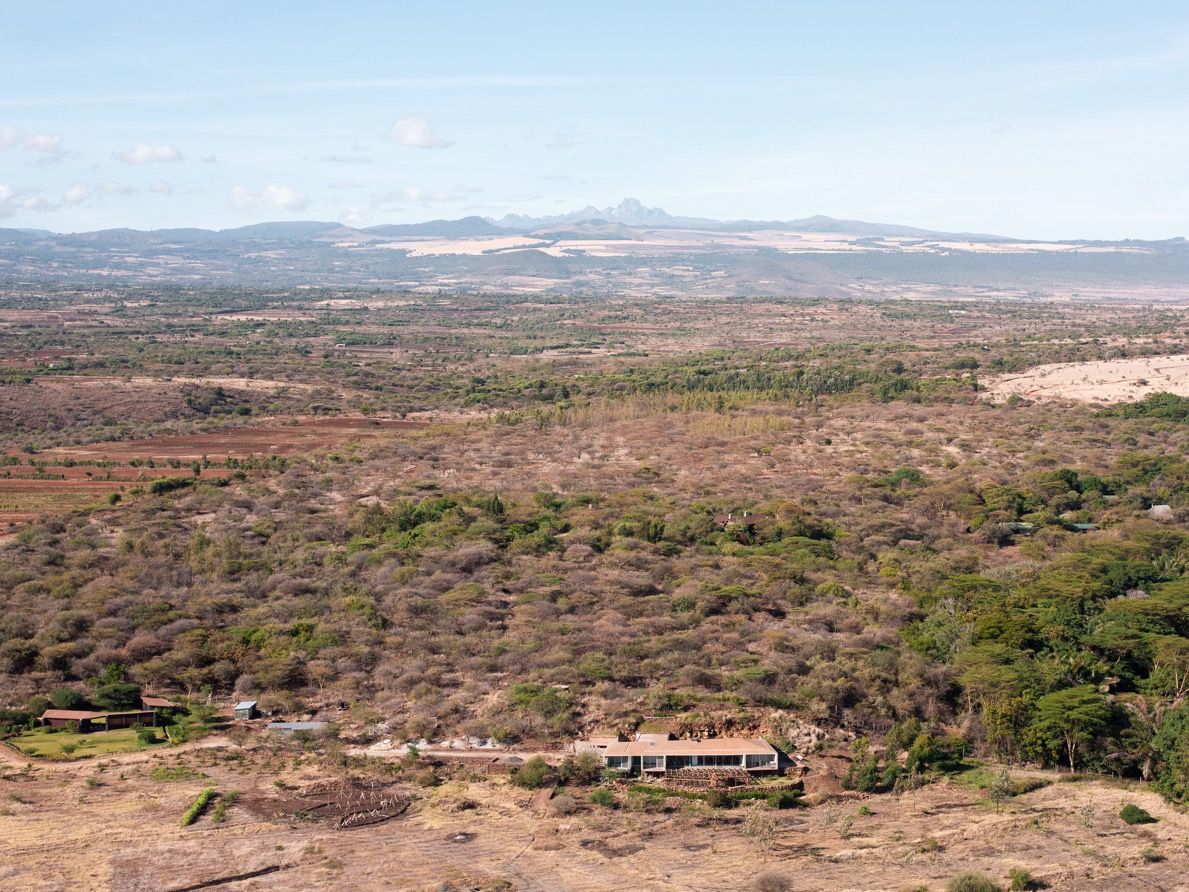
(21, 198)
(416, 132)
(143, 153)
(112, 188)
(46, 145)
(160, 187)
(272, 197)
(35, 203)
(9, 200)
(76, 193)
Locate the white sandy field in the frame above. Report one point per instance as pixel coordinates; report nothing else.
(1102, 381)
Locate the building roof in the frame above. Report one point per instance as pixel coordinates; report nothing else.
(72, 715)
(246, 704)
(157, 703)
(295, 726)
(716, 746)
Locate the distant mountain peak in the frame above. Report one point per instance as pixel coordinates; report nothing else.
(629, 212)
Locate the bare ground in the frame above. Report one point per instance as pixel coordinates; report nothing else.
(1103, 381)
(122, 832)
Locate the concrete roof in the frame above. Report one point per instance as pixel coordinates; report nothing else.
(717, 746)
(246, 704)
(295, 726)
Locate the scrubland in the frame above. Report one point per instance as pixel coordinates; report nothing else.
(505, 525)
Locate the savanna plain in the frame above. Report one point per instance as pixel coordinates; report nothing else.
(933, 550)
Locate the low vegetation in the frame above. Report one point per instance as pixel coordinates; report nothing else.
(200, 805)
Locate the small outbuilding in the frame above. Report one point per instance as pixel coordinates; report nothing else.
(246, 709)
(157, 703)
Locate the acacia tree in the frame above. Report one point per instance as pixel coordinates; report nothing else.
(1070, 718)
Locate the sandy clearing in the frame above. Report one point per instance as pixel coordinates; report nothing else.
(474, 246)
(145, 381)
(1103, 381)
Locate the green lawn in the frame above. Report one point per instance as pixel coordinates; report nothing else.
(98, 743)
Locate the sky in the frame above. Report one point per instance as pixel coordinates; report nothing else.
(1033, 119)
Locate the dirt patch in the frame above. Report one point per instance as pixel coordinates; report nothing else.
(1103, 381)
(341, 804)
(607, 850)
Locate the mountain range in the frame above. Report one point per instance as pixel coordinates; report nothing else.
(629, 212)
(629, 247)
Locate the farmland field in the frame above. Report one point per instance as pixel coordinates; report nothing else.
(73, 477)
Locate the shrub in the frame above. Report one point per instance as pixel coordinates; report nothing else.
(1133, 814)
(1021, 880)
(199, 806)
(603, 797)
(174, 773)
(533, 774)
(719, 799)
(426, 777)
(147, 735)
(786, 799)
(219, 815)
(584, 769)
(972, 882)
(772, 882)
(564, 804)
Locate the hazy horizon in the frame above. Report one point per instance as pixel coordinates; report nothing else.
(1021, 120)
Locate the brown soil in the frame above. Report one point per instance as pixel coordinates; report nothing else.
(280, 436)
(122, 831)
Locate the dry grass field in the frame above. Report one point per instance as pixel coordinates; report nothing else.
(59, 826)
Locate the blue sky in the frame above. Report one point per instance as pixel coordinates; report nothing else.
(1036, 119)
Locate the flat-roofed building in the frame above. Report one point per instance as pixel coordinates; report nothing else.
(658, 753)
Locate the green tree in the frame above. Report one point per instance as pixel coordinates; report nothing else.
(118, 695)
(67, 698)
(1069, 719)
(1171, 747)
